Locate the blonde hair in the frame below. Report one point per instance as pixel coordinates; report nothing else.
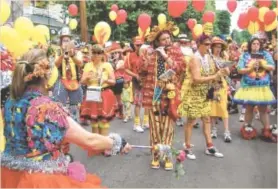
(24, 67)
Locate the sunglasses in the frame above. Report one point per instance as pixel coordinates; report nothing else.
(207, 44)
(99, 53)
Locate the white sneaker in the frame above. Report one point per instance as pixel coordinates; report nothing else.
(241, 118)
(214, 152)
(189, 153)
(138, 129)
(257, 116)
(214, 132)
(273, 112)
(126, 120)
(227, 136)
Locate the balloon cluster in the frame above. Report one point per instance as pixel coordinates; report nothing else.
(207, 27)
(162, 20)
(73, 11)
(259, 19)
(23, 36)
(119, 16)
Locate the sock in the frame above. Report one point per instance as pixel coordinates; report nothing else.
(137, 120)
(146, 120)
(104, 125)
(94, 125)
(209, 145)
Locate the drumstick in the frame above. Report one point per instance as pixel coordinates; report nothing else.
(144, 147)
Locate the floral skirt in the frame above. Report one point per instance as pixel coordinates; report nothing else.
(23, 179)
(100, 111)
(255, 96)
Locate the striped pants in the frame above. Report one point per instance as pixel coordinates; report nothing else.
(161, 127)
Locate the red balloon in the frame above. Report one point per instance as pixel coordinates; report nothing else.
(176, 8)
(73, 10)
(269, 17)
(231, 4)
(191, 23)
(118, 20)
(243, 21)
(122, 16)
(253, 14)
(114, 7)
(264, 3)
(144, 21)
(199, 5)
(208, 16)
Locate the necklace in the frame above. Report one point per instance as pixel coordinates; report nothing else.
(204, 62)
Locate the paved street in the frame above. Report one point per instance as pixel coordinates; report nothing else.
(246, 164)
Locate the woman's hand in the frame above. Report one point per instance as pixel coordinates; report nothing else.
(126, 149)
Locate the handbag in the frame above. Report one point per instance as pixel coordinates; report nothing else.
(93, 94)
(71, 85)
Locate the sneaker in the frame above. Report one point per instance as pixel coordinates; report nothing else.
(138, 129)
(196, 126)
(126, 119)
(146, 126)
(155, 164)
(227, 136)
(273, 112)
(168, 165)
(179, 122)
(257, 116)
(189, 153)
(241, 118)
(273, 129)
(214, 132)
(233, 111)
(214, 152)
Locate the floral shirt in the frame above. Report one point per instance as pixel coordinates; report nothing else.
(35, 126)
(262, 77)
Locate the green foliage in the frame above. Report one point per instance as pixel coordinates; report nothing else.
(222, 23)
(240, 36)
(99, 11)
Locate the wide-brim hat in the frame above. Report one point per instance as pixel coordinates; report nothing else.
(217, 40)
(115, 47)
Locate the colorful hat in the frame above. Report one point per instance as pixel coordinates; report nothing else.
(65, 31)
(217, 40)
(156, 30)
(115, 47)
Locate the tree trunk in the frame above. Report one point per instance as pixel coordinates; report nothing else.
(83, 21)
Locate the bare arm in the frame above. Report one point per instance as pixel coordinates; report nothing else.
(194, 67)
(87, 140)
(78, 62)
(85, 78)
(111, 78)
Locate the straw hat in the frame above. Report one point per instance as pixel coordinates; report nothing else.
(217, 40)
(115, 47)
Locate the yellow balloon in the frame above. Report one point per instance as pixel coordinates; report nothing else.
(24, 27)
(141, 33)
(112, 15)
(161, 19)
(253, 27)
(40, 34)
(73, 24)
(102, 32)
(5, 12)
(262, 12)
(9, 37)
(276, 11)
(208, 28)
(271, 26)
(198, 30)
(176, 32)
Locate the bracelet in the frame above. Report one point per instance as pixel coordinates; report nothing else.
(118, 143)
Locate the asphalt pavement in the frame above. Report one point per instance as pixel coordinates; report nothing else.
(246, 164)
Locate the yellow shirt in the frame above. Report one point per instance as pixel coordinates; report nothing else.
(104, 69)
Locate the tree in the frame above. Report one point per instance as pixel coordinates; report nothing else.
(222, 23)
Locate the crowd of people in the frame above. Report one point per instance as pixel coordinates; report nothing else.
(46, 102)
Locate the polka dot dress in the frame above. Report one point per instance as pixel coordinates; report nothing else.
(160, 66)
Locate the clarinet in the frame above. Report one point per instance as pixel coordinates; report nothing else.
(219, 66)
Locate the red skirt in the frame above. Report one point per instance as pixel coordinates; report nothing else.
(22, 179)
(100, 111)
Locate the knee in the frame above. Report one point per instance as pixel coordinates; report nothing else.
(190, 122)
(206, 120)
